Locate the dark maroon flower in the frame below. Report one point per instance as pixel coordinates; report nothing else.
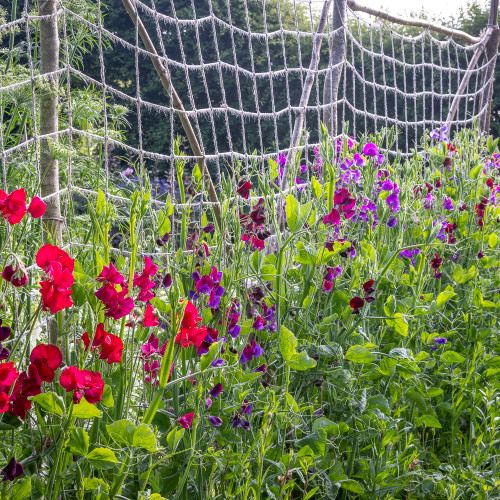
(244, 188)
(356, 303)
(208, 228)
(5, 331)
(12, 470)
(480, 255)
(367, 287)
(167, 280)
(16, 275)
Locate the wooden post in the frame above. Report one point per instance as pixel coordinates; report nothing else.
(49, 111)
(337, 54)
(490, 55)
(465, 80)
(306, 92)
(164, 76)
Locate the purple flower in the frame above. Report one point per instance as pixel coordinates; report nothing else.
(217, 390)
(261, 368)
(258, 324)
(218, 362)
(208, 403)
(387, 185)
(380, 160)
(247, 407)
(215, 421)
(370, 149)
(303, 169)
(440, 340)
(392, 222)
(393, 202)
(447, 204)
(359, 160)
(282, 160)
(454, 258)
(252, 350)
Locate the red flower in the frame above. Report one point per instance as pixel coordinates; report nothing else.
(55, 288)
(367, 287)
(49, 254)
(190, 333)
(111, 345)
(55, 298)
(4, 402)
(13, 205)
(46, 359)
(186, 420)
(91, 383)
(149, 318)
(37, 207)
(8, 375)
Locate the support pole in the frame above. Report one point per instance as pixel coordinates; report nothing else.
(49, 111)
(49, 107)
(164, 76)
(465, 80)
(491, 57)
(306, 92)
(332, 80)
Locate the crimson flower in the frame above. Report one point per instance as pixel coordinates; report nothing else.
(117, 304)
(46, 359)
(109, 275)
(13, 205)
(332, 218)
(143, 280)
(111, 346)
(37, 208)
(58, 267)
(190, 333)
(82, 382)
(149, 318)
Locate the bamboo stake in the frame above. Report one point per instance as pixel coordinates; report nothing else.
(420, 23)
(164, 76)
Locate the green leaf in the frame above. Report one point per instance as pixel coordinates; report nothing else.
(102, 458)
(94, 483)
(144, 438)
(107, 397)
(161, 305)
(398, 322)
(268, 272)
(428, 421)
(352, 485)
(288, 343)
(78, 442)
(359, 354)
(451, 357)
(174, 437)
(84, 409)
(197, 173)
(50, 402)
(316, 187)
(206, 359)
(493, 240)
(124, 432)
(301, 361)
(20, 491)
(296, 214)
(387, 366)
(444, 297)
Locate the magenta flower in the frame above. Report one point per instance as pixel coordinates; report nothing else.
(186, 420)
(370, 149)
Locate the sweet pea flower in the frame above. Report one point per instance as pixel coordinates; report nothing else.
(370, 149)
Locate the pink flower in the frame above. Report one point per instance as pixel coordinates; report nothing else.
(149, 318)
